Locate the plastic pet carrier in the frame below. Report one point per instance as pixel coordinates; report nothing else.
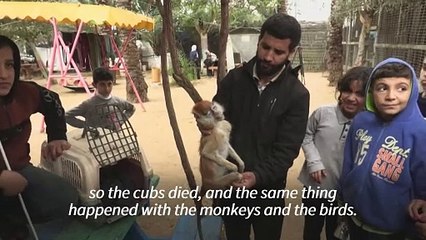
(102, 157)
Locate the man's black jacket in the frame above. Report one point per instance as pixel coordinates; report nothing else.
(268, 128)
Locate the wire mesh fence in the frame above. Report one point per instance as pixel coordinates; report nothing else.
(402, 33)
(313, 42)
(397, 31)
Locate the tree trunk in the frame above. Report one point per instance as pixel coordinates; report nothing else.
(282, 8)
(203, 32)
(223, 39)
(204, 46)
(179, 77)
(335, 47)
(366, 17)
(131, 58)
(166, 13)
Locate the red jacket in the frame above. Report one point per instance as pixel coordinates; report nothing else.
(15, 126)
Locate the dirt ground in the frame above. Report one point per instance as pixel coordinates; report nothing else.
(156, 138)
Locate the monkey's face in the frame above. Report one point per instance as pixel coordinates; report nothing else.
(205, 122)
(207, 114)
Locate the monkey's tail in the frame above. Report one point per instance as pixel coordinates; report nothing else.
(199, 205)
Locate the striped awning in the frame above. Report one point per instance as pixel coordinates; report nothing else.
(71, 13)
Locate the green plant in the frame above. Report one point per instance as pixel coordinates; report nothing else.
(188, 67)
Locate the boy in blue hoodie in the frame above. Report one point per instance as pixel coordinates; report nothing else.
(384, 162)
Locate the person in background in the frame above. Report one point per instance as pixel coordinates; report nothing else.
(103, 83)
(323, 148)
(211, 60)
(421, 100)
(268, 108)
(384, 167)
(46, 195)
(195, 59)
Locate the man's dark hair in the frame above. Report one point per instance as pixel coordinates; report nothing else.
(356, 73)
(102, 74)
(391, 70)
(282, 26)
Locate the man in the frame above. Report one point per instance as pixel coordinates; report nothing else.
(421, 100)
(211, 60)
(268, 108)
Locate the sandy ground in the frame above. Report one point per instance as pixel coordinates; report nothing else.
(156, 138)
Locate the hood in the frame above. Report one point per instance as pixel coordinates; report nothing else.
(7, 42)
(193, 47)
(412, 102)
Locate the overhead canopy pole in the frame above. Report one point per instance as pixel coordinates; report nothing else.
(59, 47)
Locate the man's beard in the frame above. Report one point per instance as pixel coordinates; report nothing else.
(265, 69)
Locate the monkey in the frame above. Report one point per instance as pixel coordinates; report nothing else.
(216, 171)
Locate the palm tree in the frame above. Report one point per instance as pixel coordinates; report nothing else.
(131, 56)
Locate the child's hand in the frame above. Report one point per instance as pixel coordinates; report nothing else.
(55, 149)
(318, 175)
(421, 229)
(417, 210)
(12, 183)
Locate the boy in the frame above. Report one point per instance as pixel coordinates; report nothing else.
(103, 82)
(384, 164)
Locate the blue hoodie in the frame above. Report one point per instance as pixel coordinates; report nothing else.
(384, 165)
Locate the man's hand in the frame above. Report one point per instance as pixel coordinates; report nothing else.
(318, 175)
(12, 183)
(248, 180)
(54, 149)
(417, 210)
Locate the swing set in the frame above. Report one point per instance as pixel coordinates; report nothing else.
(77, 15)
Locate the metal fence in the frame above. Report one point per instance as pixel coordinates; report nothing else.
(397, 31)
(313, 42)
